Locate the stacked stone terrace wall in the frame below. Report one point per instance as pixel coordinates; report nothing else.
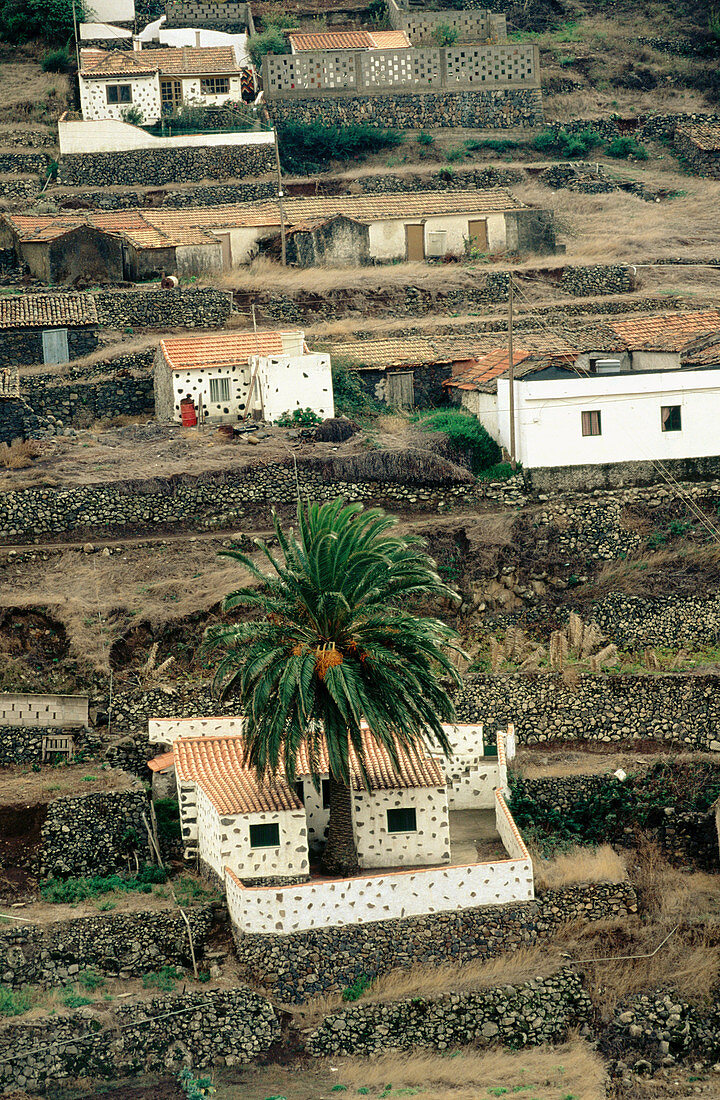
(157, 167)
(95, 834)
(125, 945)
(26, 348)
(121, 386)
(300, 966)
(543, 1010)
(503, 108)
(25, 162)
(184, 307)
(158, 1036)
(703, 162)
(24, 744)
(632, 622)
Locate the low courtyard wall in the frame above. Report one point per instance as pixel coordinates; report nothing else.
(183, 307)
(160, 1036)
(120, 945)
(384, 897)
(543, 1010)
(302, 965)
(19, 709)
(159, 166)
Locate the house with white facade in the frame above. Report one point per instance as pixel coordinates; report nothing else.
(566, 415)
(431, 836)
(156, 81)
(229, 376)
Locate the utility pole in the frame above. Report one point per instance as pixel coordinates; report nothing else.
(77, 36)
(280, 201)
(511, 373)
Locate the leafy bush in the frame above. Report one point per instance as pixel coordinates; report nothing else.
(132, 115)
(90, 979)
(71, 999)
(56, 61)
(445, 35)
(466, 434)
(498, 145)
(167, 814)
(307, 147)
(565, 144)
(72, 890)
(425, 139)
(195, 1088)
(165, 979)
(270, 41)
(355, 991)
(350, 398)
(48, 20)
(299, 418)
(626, 147)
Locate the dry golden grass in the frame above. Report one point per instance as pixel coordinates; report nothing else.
(20, 786)
(635, 575)
(18, 454)
(107, 351)
(571, 1069)
(512, 968)
(25, 90)
(580, 864)
(264, 274)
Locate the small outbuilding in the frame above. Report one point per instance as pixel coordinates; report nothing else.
(46, 328)
(225, 376)
(699, 145)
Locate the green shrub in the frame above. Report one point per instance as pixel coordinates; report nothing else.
(445, 35)
(466, 434)
(14, 1002)
(355, 991)
(56, 61)
(565, 144)
(90, 979)
(71, 999)
(196, 1088)
(350, 398)
(299, 418)
(498, 145)
(425, 139)
(72, 890)
(132, 115)
(623, 147)
(165, 979)
(270, 41)
(48, 20)
(307, 147)
(167, 814)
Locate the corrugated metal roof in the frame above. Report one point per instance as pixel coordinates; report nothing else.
(177, 61)
(46, 310)
(222, 348)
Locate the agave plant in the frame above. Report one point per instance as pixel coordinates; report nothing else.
(337, 646)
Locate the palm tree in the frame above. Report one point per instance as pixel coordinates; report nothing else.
(336, 646)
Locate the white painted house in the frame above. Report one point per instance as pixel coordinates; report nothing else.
(222, 375)
(156, 82)
(261, 837)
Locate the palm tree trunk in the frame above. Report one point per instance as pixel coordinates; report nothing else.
(340, 855)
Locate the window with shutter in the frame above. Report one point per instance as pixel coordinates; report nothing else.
(591, 423)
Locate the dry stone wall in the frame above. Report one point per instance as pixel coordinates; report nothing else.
(543, 1010)
(157, 167)
(633, 622)
(158, 1036)
(297, 967)
(123, 945)
(184, 307)
(24, 744)
(95, 834)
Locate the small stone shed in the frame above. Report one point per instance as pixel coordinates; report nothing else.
(699, 145)
(220, 374)
(46, 328)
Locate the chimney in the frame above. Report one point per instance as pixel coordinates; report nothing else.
(137, 43)
(197, 38)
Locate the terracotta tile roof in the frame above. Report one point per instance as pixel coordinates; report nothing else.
(177, 60)
(348, 40)
(705, 135)
(217, 764)
(46, 310)
(705, 353)
(486, 369)
(439, 349)
(160, 763)
(215, 349)
(669, 332)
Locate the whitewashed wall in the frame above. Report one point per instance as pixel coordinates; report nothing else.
(145, 96)
(290, 382)
(224, 841)
(165, 731)
(387, 237)
(509, 833)
(549, 424)
(111, 11)
(196, 384)
(110, 135)
(187, 803)
(317, 817)
(376, 847)
(282, 910)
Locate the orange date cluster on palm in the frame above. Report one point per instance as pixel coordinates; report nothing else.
(328, 656)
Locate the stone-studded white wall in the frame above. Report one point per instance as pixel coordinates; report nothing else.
(191, 92)
(17, 709)
(165, 731)
(317, 817)
(145, 96)
(282, 910)
(196, 384)
(289, 382)
(289, 859)
(509, 833)
(376, 847)
(187, 803)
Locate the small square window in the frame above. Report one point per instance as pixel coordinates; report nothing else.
(402, 821)
(219, 390)
(119, 93)
(264, 836)
(591, 423)
(670, 418)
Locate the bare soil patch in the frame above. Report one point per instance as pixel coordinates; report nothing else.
(19, 786)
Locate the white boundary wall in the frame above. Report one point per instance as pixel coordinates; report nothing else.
(333, 903)
(112, 136)
(43, 710)
(165, 731)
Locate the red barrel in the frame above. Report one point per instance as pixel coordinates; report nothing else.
(188, 414)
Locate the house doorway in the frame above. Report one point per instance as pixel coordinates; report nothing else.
(415, 242)
(400, 389)
(170, 95)
(224, 239)
(477, 232)
(55, 346)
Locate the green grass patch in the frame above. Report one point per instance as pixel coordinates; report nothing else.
(465, 434)
(14, 1002)
(165, 979)
(72, 890)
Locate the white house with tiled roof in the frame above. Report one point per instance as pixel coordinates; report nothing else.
(155, 82)
(229, 376)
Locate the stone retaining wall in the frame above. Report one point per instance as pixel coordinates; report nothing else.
(25, 162)
(184, 307)
(81, 402)
(124, 945)
(20, 187)
(633, 622)
(156, 167)
(543, 1010)
(665, 707)
(158, 1036)
(95, 834)
(503, 108)
(303, 965)
(26, 348)
(23, 745)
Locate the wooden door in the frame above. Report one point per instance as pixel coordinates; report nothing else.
(401, 389)
(224, 239)
(415, 242)
(55, 345)
(477, 232)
